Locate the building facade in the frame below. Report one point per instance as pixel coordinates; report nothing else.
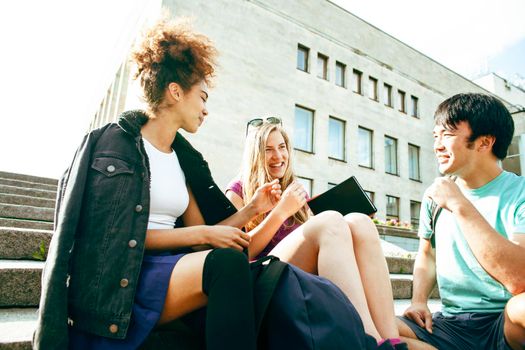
(515, 95)
(354, 100)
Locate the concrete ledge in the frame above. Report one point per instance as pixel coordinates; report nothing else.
(20, 285)
(396, 231)
(26, 212)
(21, 243)
(400, 265)
(27, 184)
(32, 192)
(16, 328)
(27, 200)
(31, 224)
(30, 178)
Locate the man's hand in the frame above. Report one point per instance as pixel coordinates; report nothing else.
(420, 314)
(446, 193)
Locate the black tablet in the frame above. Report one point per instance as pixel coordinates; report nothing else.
(347, 197)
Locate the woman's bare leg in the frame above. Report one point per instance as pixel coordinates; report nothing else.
(323, 246)
(185, 288)
(374, 273)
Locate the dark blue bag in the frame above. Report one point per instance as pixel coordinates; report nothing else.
(298, 310)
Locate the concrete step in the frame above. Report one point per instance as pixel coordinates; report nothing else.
(20, 285)
(17, 325)
(400, 265)
(26, 212)
(27, 184)
(32, 192)
(21, 223)
(30, 178)
(27, 200)
(23, 243)
(16, 328)
(402, 287)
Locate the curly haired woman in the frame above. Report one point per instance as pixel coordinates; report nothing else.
(134, 206)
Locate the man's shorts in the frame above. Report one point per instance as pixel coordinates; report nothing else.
(463, 331)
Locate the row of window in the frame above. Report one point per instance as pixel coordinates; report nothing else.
(392, 203)
(303, 140)
(303, 54)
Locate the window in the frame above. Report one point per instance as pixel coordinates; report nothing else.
(413, 106)
(340, 72)
(387, 95)
(302, 58)
(415, 208)
(307, 184)
(322, 66)
(370, 195)
(401, 101)
(356, 81)
(392, 208)
(303, 131)
(390, 155)
(372, 88)
(336, 138)
(413, 162)
(365, 147)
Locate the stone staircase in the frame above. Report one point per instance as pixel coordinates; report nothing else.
(26, 223)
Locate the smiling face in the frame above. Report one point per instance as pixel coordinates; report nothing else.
(455, 154)
(192, 107)
(276, 155)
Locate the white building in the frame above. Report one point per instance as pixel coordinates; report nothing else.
(515, 95)
(355, 100)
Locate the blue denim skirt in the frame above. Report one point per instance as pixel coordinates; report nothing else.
(149, 301)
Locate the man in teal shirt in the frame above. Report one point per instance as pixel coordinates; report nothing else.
(479, 255)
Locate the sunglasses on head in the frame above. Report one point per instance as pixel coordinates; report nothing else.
(257, 122)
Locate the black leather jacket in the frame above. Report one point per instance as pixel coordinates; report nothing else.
(101, 218)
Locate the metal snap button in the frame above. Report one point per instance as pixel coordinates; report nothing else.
(110, 168)
(138, 208)
(124, 283)
(132, 243)
(113, 328)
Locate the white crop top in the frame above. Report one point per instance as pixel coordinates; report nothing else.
(168, 193)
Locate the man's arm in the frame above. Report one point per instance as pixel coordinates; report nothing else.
(503, 259)
(423, 284)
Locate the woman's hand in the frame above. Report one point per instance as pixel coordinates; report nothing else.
(220, 236)
(292, 199)
(266, 197)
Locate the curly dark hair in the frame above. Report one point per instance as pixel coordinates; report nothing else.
(171, 52)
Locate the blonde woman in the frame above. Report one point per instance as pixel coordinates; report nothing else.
(346, 250)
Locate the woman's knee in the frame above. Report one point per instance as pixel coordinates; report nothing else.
(328, 224)
(362, 227)
(515, 310)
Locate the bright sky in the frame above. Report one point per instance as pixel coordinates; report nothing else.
(57, 57)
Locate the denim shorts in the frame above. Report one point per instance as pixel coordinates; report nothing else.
(465, 331)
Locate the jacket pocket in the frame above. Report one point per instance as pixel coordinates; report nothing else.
(112, 166)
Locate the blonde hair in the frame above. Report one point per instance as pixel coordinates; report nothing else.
(254, 172)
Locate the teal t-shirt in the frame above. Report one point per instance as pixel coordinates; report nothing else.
(464, 285)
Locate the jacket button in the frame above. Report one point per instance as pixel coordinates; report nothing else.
(132, 243)
(124, 283)
(110, 168)
(138, 208)
(113, 328)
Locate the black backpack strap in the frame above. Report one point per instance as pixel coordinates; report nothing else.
(266, 279)
(435, 211)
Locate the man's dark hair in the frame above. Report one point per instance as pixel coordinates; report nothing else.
(485, 114)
